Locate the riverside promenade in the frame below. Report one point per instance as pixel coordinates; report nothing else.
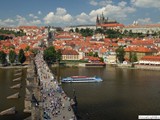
(55, 103)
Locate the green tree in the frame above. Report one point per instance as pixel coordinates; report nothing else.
(58, 55)
(101, 59)
(50, 55)
(130, 56)
(12, 56)
(27, 48)
(120, 53)
(134, 57)
(95, 54)
(12, 47)
(2, 57)
(90, 54)
(77, 30)
(99, 30)
(113, 33)
(125, 32)
(34, 51)
(19, 33)
(71, 30)
(86, 32)
(21, 56)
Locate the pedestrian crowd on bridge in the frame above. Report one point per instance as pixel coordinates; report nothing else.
(55, 101)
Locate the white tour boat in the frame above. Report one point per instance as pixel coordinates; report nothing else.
(77, 79)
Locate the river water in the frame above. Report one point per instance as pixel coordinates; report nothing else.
(6, 77)
(123, 95)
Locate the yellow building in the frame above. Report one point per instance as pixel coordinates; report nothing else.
(70, 54)
(140, 51)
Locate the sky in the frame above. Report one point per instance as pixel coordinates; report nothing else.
(77, 12)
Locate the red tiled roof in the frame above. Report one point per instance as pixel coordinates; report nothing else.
(69, 52)
(142, 42)
(91, 58)
(103, 50)
(27, 53)
(23, 46)
(112, 25)
(138, 49)
(151, 58)
(63, 37)
(114, 44)
(28, 27)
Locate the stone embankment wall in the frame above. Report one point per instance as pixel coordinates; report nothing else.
(147, 67)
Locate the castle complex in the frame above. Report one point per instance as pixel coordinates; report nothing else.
(103, 20)
(105, 23)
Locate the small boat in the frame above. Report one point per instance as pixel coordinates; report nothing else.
(78, 79)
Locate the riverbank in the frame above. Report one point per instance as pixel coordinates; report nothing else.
(18, 67)
(137, 66)
(147, 67)
(124, 66)
(78, 65)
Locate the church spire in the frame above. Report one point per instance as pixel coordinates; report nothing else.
(103, 17)
(97, 20)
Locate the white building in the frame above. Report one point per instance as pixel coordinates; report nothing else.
(80, 27)
(145, 29)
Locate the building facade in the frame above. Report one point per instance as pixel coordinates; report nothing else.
(106, 23)
(145, 29)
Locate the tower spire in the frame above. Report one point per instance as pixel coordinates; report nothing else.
(97, 20)
(103, 16)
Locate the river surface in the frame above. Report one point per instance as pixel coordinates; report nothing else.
(123, 95)
(6, 77)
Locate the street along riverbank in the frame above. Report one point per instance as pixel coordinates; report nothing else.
(123, 66)
(138, 66)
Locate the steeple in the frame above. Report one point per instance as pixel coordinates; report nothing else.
(50, 38)
(103, 17)
(97, 20)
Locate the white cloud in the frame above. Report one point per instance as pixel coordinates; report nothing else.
(7, 22)
(94, 3)
(39, 12)
(61, 11)
(119, 11)
(146, 3)
(122, 3)
(67, 18)
(144, 20)
(35, 22)
(101, 3)
(33, 16)
(49, 18)
(23, 21)
(18, 21)
(82, 18)
(60, 16)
